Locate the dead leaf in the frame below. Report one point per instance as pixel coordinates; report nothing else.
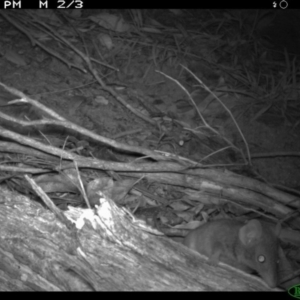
(110, 22)
(15, 58)
(105, 40)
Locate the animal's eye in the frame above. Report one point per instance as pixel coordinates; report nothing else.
(261, 259)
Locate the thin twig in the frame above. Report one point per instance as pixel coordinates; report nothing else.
(201, 116)
(227, 110)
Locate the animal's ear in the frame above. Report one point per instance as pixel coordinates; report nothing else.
(250, 233)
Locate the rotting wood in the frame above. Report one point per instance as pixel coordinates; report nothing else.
(39, 253)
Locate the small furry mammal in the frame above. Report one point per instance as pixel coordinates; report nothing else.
(249, 247)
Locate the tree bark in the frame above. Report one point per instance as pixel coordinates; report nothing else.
(107, 249)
